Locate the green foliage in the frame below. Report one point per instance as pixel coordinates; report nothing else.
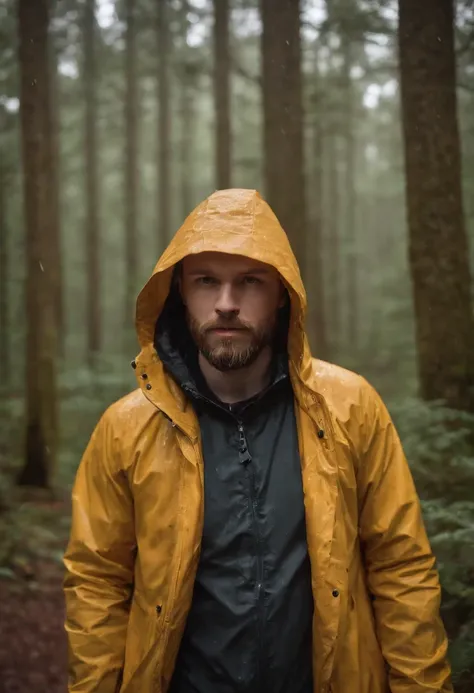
(85, 396)
(34, 525)
(439, 445)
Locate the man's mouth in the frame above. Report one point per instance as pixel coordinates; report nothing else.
(226, 330)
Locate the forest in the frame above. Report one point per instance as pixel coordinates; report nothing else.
(353, 118)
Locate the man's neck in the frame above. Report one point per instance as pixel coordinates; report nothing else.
(236, 386)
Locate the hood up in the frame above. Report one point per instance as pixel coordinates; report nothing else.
(238, 222)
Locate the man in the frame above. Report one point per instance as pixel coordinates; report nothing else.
(246, 521)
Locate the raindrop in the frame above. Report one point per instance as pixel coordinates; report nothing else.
(41, 266)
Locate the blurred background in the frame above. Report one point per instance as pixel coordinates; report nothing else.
(355, 120)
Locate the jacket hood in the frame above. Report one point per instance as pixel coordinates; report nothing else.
(238, 222)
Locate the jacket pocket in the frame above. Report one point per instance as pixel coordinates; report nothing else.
(141, 638)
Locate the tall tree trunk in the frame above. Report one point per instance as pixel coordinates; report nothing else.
(332, 197)
(368, 234)
(315, 246)
(187, 116)
(4, 293)
(350, 240)
(439, 257)
(222, 93)
(316, 322)
(164, 168)
(92, 231)
(39, 177)
(131, 166)
(283, 118)
(57, 270)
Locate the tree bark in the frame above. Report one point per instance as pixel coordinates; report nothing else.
(92, 230)
(438, 248)
(39, 197)
(4, 285)
(333, 218)
(222, 94)
(131, 165)
(315, 246)
(283, 118)
(316, 323)
(57, 270)
(350, 240)
(187, 116)
(164, 129)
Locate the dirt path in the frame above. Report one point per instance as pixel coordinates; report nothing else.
(32, 642)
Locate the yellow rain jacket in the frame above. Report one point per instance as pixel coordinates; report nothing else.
(138, 508)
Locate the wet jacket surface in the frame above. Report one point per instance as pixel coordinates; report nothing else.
(138, 508)
(249, 626)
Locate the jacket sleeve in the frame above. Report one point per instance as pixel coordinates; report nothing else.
(99, 563)
(400, 566)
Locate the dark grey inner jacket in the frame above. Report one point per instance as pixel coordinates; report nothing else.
(249, 628)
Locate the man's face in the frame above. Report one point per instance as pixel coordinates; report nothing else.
(231, 305)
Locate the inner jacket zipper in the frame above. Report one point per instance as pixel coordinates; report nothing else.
(246, 459)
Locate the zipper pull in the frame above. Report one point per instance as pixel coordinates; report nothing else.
(244, 455)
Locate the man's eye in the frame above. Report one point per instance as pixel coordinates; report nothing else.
(206, 280)
(252, 280)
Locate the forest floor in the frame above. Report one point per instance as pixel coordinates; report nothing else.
(33, 650)
(34, 528)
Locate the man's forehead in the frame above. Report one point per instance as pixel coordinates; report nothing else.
(223, 262)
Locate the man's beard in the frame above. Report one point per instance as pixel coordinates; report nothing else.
(227, 355)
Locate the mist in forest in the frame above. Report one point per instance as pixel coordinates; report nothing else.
(353, 118)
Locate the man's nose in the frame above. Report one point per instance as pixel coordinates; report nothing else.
(227, 300)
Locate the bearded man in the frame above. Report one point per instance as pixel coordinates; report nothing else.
(246, 521)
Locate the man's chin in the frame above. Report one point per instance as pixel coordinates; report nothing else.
(229, 361)
(226, 367)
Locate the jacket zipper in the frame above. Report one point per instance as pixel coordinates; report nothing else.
(246, 459)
